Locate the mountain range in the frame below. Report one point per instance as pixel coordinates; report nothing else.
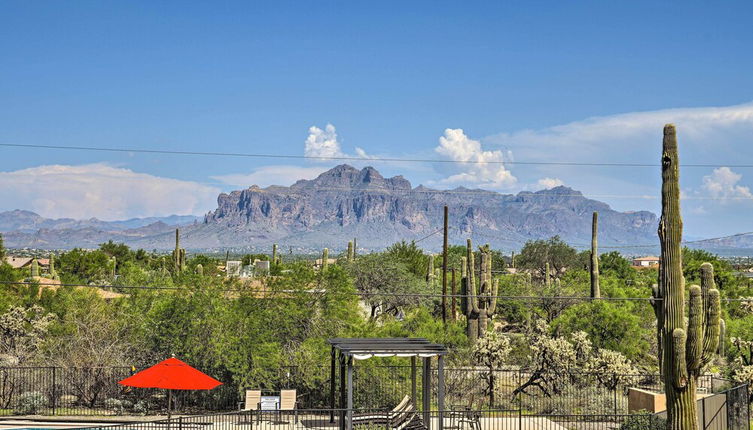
(344, 203)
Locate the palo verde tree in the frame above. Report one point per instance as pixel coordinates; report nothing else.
(686, 347)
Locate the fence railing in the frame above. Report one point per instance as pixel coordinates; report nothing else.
(725, 410)
(95, 391)
(319, 419)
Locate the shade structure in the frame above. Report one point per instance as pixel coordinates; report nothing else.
(171, 374)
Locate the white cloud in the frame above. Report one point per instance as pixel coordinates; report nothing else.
(631, 136)
(722, 184)
(477, 167)
(322, 143)
(270, 175)
(101, 191)
(548, 183)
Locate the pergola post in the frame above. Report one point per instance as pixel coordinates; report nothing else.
(426, 395)
(342, 391)
(440, 390)
(332, 385)
(413, 394)
(350, 393)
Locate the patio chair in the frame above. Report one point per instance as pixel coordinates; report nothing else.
(401, 417)
(253, 398)
(288, 402)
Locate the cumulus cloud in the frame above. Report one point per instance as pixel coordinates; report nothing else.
(722, 184)
(322, 143)
(548, 183)
(101, 191)
(631, 136)
(270, 175)
(477, 166)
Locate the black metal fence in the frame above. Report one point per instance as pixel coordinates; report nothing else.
(95, 391)
(573, 398)
(319, 419)
(725, 410)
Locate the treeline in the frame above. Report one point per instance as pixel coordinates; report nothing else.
(244, 330)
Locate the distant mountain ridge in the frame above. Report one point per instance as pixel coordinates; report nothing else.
(344, 203)
(29, 222)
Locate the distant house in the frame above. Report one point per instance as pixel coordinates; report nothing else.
(25, 262)
(649, 261)
(319, 261)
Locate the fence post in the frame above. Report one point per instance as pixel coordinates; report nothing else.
(614, 384)
(54, 391)
(703, 409)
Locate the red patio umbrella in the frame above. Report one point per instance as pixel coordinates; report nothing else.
(171, 374)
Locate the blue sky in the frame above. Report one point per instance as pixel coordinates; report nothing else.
(527, 81)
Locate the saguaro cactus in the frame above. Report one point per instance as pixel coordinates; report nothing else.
(485, 302)
(34, 268)
(274, 253)
(325, 259)
(179, 254)
(53, 273)
(595, 293)
(430, 273)
(686, 348)
(350, 251)
(200, 269)
(471, 310)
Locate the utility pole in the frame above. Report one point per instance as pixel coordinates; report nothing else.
(444, 268)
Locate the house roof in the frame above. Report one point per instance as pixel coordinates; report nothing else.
(18, 262)
(649, 258)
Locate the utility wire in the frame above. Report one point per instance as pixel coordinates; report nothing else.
(349, 293)
(348, 158)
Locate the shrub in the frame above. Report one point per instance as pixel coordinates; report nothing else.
(644, 421)
(141, 407)
(31, 402)
(68, 400)
(114, 405)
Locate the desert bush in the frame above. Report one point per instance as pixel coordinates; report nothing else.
(114, 405)
(30, 403)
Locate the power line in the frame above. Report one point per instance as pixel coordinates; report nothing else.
(350, 158)
(348, 293)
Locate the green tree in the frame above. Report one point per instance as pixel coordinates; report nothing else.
(535, 254)
(387, 283)
(609, 325)
(409, 255)
(612, 263)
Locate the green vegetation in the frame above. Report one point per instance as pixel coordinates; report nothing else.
(243, 331)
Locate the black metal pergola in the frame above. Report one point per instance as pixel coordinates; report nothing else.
(345, 350)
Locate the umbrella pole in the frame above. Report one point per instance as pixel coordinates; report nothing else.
(169, 407)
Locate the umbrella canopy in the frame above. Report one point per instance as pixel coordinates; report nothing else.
(171, 374)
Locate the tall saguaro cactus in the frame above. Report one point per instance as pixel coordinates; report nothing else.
(34, 268)
(430, 273)
(325, 259)
(686, 349)
(486, 301)
(274, 253)
(350, 254)
(595, 293)
(547, 276)
(179, 254)
(471, 309)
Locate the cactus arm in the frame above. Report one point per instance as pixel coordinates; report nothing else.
(694, 349)
(680, 372)
(713, 327)
(493, 299)
(472, 299)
